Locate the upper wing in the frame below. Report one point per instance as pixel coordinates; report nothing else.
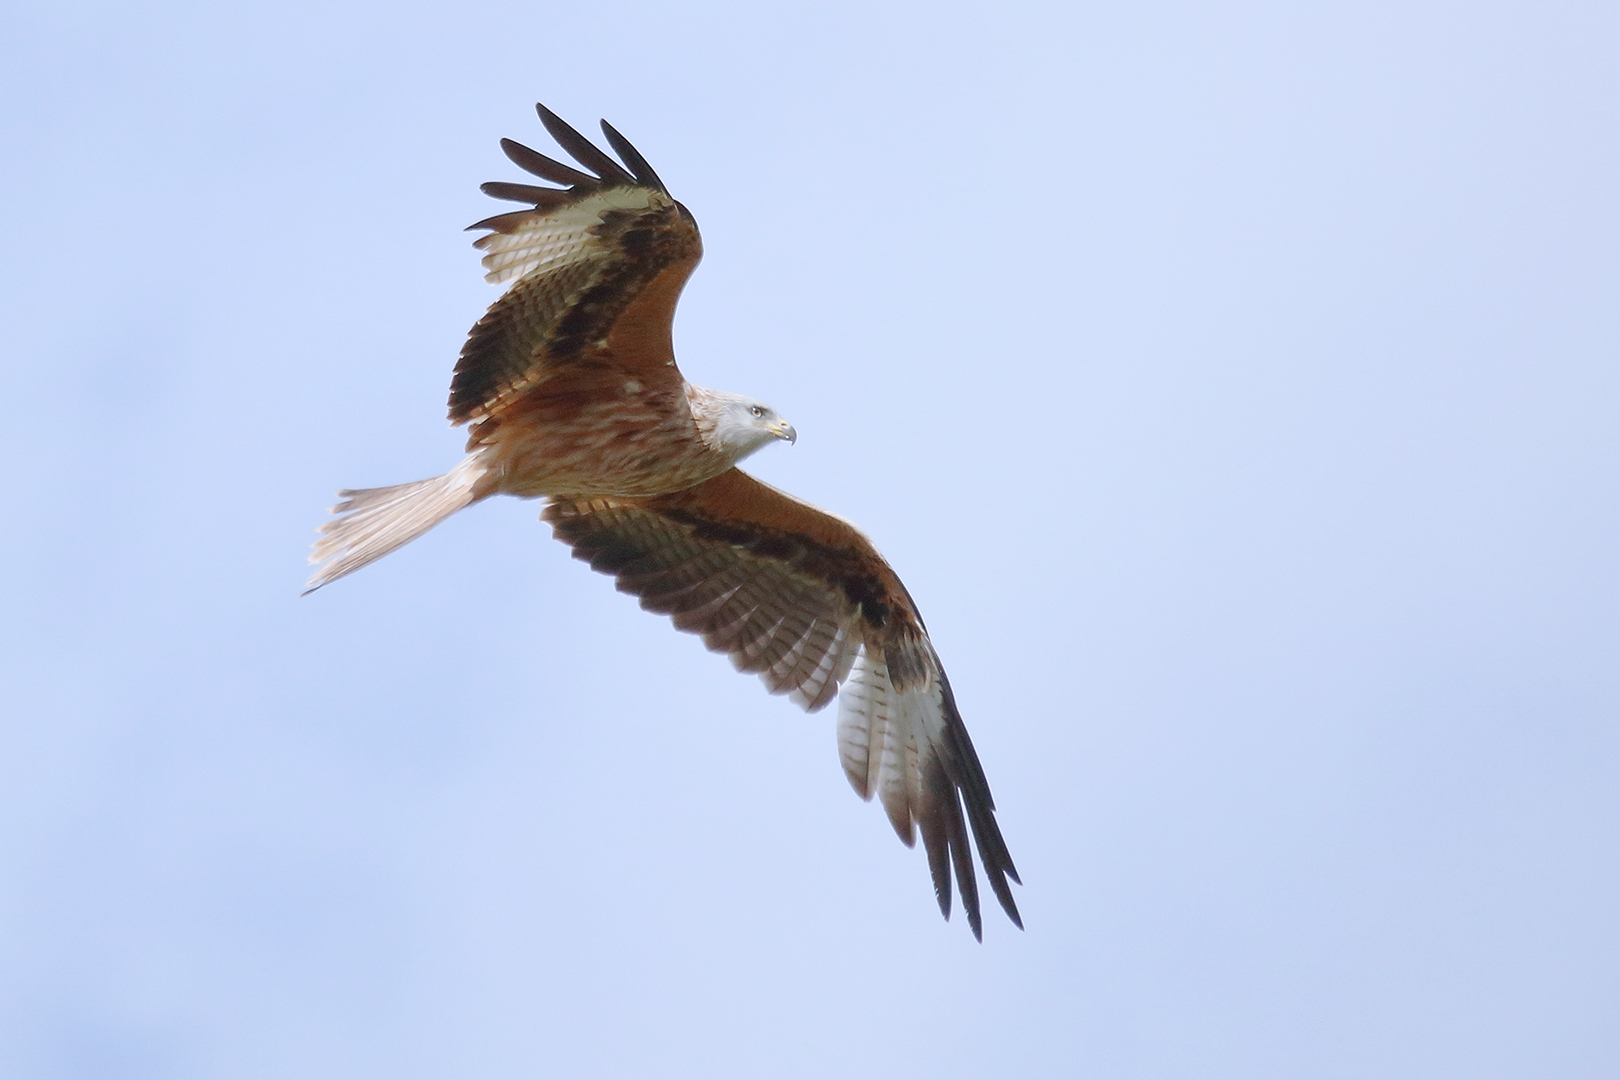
(802, 598)
(595, 266)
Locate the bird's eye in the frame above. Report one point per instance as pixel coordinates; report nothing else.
(756, 410)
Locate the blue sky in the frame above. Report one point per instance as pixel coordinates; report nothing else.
(1233, 385)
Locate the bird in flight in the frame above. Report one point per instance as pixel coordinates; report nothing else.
(570, 390)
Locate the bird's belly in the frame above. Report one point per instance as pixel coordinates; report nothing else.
(615, 449)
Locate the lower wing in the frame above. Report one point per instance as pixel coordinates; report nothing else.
(800, 597)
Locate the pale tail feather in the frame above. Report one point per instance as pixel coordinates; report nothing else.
(371, 522)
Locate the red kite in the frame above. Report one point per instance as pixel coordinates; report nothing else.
(570, 386)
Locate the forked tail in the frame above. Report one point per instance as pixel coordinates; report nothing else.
(371, 522)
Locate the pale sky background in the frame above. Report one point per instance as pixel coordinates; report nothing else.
(1236, 387)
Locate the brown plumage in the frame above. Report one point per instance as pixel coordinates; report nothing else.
(570, 386)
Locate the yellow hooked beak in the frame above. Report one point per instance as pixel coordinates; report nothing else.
(784, 430)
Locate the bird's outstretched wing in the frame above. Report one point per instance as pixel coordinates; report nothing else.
(803, 599)
(596, 268)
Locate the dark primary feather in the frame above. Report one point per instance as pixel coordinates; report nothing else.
(632, 157)
(583, 150)
(532, 161)
(540, 197)
(981, 807)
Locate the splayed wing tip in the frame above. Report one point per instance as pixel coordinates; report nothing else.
(583, 150)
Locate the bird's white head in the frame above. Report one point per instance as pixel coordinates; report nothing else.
(739, 425)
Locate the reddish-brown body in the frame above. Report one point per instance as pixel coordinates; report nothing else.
(597, 431)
